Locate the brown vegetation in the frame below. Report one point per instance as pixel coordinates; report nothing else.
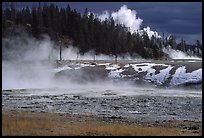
(35, 124)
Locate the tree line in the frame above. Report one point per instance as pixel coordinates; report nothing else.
(87, 32)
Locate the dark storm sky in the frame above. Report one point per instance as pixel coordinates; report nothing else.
(182, 19)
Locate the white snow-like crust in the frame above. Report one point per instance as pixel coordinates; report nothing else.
(161, 77)
(180, 76)
(66, 67)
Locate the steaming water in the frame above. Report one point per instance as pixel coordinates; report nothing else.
(38, 79)
(177, 54)
(134, 103)
(42, 83)
(30, 84)
(23, 69)
(96, 90)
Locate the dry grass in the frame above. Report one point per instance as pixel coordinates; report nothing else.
(34, 125)
(25, 126)
(121, 130)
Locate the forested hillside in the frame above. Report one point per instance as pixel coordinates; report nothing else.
(87, 32)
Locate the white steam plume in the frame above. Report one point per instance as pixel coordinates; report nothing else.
(25, 62)
(129, 19)
(24, 48)
(72, 53)
(28, 62)
(105, 15)
(177, 54)
(150, 33)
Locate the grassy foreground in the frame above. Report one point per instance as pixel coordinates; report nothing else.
(46, 124)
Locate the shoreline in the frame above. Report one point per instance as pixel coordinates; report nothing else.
(17, 122)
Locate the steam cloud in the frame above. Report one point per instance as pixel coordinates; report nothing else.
(25, 60)
(177, 54)
(28, 62)
(24, 48)
(129, 19)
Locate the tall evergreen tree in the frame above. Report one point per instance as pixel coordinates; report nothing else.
(87, 32)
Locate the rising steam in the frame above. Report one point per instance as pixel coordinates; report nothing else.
(177, 54)
(129, 19)
(28, 62)
(25, 62)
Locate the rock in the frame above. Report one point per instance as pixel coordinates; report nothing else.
(76, 96)
(195, 132)
(115, 117)
(83, 74)
(116, 107)
(194, 127)
(129, 71)
(172, 113)
(156, 122)
(70, 102)
(103, 104)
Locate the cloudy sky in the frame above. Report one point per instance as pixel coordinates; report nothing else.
(182, 19)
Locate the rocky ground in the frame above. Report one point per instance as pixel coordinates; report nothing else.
(168, 74)
(178, 111)
(140, 107)
(143, 110)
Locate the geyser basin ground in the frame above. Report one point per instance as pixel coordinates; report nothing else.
(145, 107)
(168, 74)
(112, 99)
(146, 104)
